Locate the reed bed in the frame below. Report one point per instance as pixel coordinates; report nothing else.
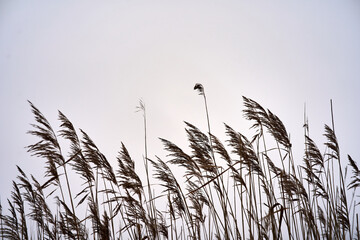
(229, 189)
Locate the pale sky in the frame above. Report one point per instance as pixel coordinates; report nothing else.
(94, 60)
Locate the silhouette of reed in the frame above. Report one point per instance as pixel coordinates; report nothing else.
(228, 190)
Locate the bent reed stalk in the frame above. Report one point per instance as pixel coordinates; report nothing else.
(244, 194)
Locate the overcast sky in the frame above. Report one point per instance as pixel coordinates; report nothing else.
(94, 60)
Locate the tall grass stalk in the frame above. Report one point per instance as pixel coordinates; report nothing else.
(221, 188)
(151, 207)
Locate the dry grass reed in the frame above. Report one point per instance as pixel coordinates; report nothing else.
(229, 190)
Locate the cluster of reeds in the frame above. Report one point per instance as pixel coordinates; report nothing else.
(228, 190)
